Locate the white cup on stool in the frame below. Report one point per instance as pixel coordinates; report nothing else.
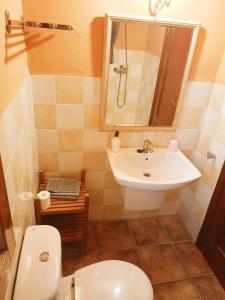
(44, 197)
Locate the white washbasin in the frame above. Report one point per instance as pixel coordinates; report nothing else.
(167, 170)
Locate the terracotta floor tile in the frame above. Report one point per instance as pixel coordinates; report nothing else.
(175, 228)
(209, 288)
(113, 235)
(92, 245)
(160, 263)
(70, 249)
(148, 231)
(192, 259)
(180, 290)
(74, 263)
(128, 255)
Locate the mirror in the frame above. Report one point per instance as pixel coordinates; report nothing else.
(146, 63)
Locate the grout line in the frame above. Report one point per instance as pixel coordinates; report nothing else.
(170, 242)
(135, 244)
(170, 281)
(180, 260)
(196, 289)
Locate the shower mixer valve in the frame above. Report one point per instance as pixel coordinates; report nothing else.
(120, 70)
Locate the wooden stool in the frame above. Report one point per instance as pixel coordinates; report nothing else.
(70, 217)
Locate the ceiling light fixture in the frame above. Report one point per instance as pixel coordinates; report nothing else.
(156, 5)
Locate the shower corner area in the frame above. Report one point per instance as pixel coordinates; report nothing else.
(133, 70)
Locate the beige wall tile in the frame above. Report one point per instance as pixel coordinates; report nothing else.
(48, 162)
(203, 143)
(217, 96)
(190, 117)
(91, 90)
(96, 197)
(74, 174)
(215, 103)
(18, 154)
(169, 208)
(10, 188)
(9, 127)
(220, 130)
(95, 179)
(110, 180)
(112, 197)
(95, 139)
(68, 89)
(137, 57)
(130, 214)
(173, 195)
(45, 116)
(193, 186)
(95, 213)
(70, 162)
(70, 140)
(47, 140)
(197, 212)
(43, 88)
(133, 84)
(119, 118)
(95, 160)
(112, 212)
(91, 116)
(210, 174)
(162, 139)
(3, 146)
(112, 83)
(131, 107)
(16, 167)
(70, 116)
(149, 213)
(19, 118)
(187, 138)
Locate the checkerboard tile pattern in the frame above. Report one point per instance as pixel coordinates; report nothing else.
(196, 198)
(165, 252)
(141, 80)
(19, 156)
(66, 110)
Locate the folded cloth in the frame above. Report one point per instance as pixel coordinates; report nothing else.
(63, 188)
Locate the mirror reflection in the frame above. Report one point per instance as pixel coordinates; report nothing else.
(146, 67)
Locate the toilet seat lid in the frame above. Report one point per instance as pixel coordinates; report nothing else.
(112, 280)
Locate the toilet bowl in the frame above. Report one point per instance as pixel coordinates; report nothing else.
(39, 274)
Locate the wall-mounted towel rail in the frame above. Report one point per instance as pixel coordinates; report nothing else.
(22, 24)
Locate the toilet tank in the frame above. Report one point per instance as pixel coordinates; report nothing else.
(39, 269)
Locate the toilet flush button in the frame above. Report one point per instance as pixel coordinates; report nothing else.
(44, 256)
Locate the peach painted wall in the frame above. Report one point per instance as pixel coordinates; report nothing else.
(13, 58)
(142, 37)
(156, 35)
(220, 78)
(68, 53)
(137, 35)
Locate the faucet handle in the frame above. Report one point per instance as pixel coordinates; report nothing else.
(147, 143)
(147, 146)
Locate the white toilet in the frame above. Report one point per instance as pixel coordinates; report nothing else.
(39, 274)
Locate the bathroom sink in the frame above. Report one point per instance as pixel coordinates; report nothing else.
(160, 170)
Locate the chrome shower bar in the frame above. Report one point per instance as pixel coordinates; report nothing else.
(22, 24)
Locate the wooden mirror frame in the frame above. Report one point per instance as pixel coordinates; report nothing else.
(109, 18)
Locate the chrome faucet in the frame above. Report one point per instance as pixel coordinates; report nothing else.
(146, 148)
